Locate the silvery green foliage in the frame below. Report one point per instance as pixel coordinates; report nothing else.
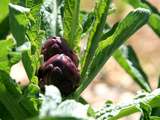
(51, 17)
(71, 108)
(52, 105)
(50, 101)
(143, 99)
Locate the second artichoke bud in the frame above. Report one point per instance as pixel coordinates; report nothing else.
(60, 71)
(57, 45)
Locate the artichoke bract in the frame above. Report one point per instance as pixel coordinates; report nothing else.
(57, 45)
(60, 71)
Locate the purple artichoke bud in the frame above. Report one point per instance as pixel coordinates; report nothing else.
(57, 45)
(60, 71)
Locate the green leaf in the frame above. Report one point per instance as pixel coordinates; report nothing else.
(7, 56)
(56, 118)
(82, 100)
(35, 35)
(151, 7)
(88, 19)
(128, 60)
(9, 92)
(87, 22)
(158, 86)
(128, 26)
(53, 106)
(156, 111)
(155, 16)
(91, 112)
(137, 4)
(154, 118)
(154, 21)
(5, 115)
(22, 106)
(18, 22)
(4, 8)
(27, 3)
(114, 112)
(71, 23)
(146, 109)
(30, 3)
(25, 27)
(101, 11)
(27, 63)
(4, 21)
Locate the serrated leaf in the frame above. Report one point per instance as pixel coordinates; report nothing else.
(25, 27)
(7, 56)
(21, 106)
(52, 106)
(114, 112)
(127, 59)
(8, 92)
(155, 16)
(101, 11)
(18, 22)
(128, 26)
(71, 23)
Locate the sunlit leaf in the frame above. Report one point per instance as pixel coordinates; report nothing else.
(129, 25)
(18, 22)
(114, 112)
(155, 16)
(128, 60)
(71, 23)
(101, 11)
(4, 20)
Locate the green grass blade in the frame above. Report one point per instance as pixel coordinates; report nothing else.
(127, 59)
(128, 26)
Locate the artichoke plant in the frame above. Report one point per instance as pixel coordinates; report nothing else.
(60, 66)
